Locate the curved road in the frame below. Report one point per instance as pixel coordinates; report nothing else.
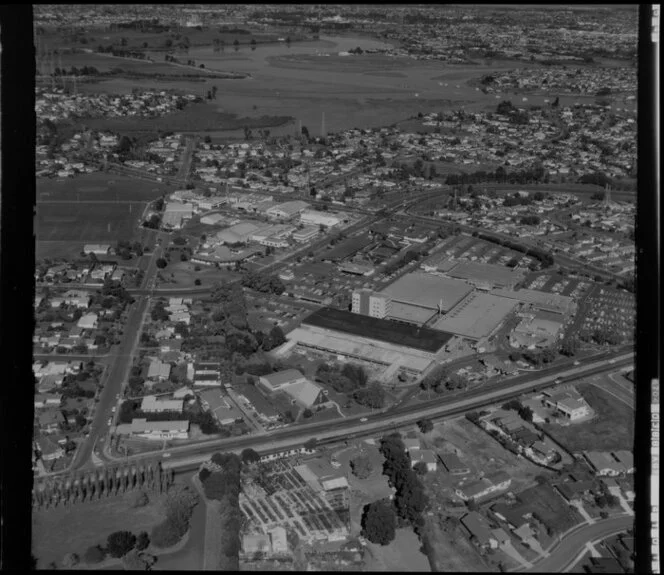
(567, 551)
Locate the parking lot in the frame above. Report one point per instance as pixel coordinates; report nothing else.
(612, 310)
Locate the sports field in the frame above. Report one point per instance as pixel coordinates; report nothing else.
(381, 329)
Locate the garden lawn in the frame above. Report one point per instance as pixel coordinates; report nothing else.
(612, 429)
(58, 531)
(403, 554)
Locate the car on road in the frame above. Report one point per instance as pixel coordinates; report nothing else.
(166, 455)
(577, 362)
(110, 421)
(363, 419)
(113, 410)
(558, 380)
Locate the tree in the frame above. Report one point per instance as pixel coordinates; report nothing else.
(140, 499)
(307, 413)
(379, 523)
(310, 444)
(70, 560)
(94, 554)
(250, 456)
(142, 541)
(120, 543)
(277, 336)
(161, 263)
(420, 468)
(197, 282)
(361, 466)
(425, 425)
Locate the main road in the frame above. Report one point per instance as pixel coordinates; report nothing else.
(294, 436)
(566, 553)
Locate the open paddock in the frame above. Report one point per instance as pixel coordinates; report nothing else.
(58, 531)
(98, 187)
(611, 430)
(200, 117)
(87, 222)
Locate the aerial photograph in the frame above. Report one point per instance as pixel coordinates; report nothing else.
(335, 287)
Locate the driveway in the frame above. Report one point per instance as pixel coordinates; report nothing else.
(567, 550)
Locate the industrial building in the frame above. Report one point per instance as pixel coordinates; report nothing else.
(303, 392)
(478, 316)
(423, 290)
(550, 302)
(371, 339)
(486, 276)
(315, 218)
(371, 303)
(539, 329)
(239, 233)
(306, 233)
(176, 213)
(156, 430)
(287, 210)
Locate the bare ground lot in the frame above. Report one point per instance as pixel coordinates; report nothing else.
(612, 429)
(56, 532)
(452, 552)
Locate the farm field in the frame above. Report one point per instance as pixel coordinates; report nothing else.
(59, 531)
(612, 429)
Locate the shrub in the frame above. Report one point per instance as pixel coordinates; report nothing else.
(120, 543)
(167, 534)
(139, 499)
(361, 466)
(142, 541)
(69, 560)
(94, 554)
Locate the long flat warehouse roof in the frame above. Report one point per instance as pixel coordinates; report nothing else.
(422, 338)
(428, 290)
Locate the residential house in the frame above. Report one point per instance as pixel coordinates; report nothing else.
(43, 400)
(484, 486)
(159, 370)
(88, 321)
(453, 464)
(97, 249)
(477, 527)
(256, 543)
(275, 381)
(183, 393)
(499, 538)
(569, 403)
(220, 407)
(49, 450)
(427, 456)
(150, 404)
(604, 463)
(50, 420)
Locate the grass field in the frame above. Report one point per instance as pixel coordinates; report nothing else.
(200, 117)
(59, 531)
(403, 554)
(550, 508)
(612, 428)
(84, 222)
(452, 551)
(99, 186)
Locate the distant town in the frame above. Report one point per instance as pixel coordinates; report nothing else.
(268, 340)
